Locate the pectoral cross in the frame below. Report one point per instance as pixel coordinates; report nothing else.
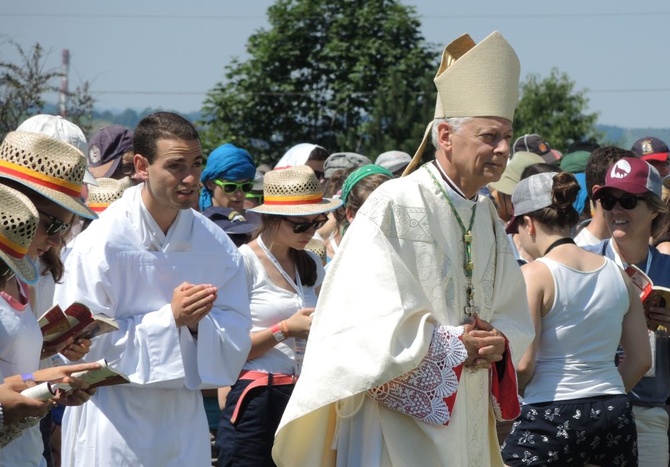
(470, 309)
(469, 266)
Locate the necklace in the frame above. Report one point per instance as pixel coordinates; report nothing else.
(560, 241)
(296, 285)
(468, 265)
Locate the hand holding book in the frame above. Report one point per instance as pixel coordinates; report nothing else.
(93, 376)
(74, 325)
(655, 298)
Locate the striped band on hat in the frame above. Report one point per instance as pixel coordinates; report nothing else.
(17, 230)
(51, 167)
(33, 176)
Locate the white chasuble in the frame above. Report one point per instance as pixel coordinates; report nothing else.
(125, 267)
(398, 275)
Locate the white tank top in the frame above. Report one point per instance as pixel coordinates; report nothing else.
(580, 335)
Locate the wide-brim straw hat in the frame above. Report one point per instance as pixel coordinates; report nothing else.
(51, 167)
(107, 191)
(294, 191)
(17, 229)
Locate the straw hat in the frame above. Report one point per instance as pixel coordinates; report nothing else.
(474, 80)
(51, 167)
(316, 246)
(107, 191)
(294, 191)
(17, 229)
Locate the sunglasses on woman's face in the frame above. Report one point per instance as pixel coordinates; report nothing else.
(232, 187)
(302, 227)
(56, 226)
(626, 202)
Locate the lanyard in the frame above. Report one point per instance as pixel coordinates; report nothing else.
(468, 265)
(297, 285)
(620, 263)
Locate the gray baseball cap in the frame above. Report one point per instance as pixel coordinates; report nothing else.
(343, 160)
(531, 194)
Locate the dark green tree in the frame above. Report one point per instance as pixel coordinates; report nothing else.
(327, 72)
(552, 108)
(23, 86)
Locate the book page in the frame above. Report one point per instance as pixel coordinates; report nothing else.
(102, 325)
(53, 321)
(76, 321)
(104, 376)
(640, 280)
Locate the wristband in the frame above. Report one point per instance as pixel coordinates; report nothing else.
(278, 333)
(27, 377)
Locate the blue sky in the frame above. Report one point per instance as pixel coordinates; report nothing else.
(170, 53)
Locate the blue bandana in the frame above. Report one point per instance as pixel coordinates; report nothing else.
(227, 162)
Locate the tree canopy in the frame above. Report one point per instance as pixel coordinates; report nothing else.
(348, 75)
(553, 109)
(23, 87)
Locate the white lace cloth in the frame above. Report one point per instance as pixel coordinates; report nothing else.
(424, 392)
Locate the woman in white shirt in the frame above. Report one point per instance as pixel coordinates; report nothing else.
(575, 409)
(283, 280)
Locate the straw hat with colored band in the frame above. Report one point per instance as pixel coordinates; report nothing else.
(51, 167)
(474, 80)
(107, 191)
(294, 191)
(17, 229)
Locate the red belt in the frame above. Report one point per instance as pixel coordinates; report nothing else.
(260, 378)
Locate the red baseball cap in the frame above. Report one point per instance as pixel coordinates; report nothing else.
(631, 175)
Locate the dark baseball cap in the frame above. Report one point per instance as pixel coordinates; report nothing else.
(651, 149)
(230, 221)
(536, 144)
(106, 148)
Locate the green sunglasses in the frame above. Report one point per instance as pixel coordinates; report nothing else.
(232, 187)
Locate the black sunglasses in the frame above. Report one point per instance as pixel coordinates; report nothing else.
(232, 187)
(626, 202)
(302, 227)
(56, 226)
(319, 175)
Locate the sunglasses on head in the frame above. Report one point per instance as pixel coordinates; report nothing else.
(232, 187)
(302, 227)
(626, 202)
(56, 226)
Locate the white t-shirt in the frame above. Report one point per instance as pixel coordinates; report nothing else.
(584, 237)
(20, 350)
(271, 304)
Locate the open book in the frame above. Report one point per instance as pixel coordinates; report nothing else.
(76, 321)
(103, 376)
(650, 294)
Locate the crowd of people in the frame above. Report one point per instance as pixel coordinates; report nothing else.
(482, 308)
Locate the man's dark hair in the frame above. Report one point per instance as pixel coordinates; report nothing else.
(161, 125)
(318, 154)
(600, 160)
